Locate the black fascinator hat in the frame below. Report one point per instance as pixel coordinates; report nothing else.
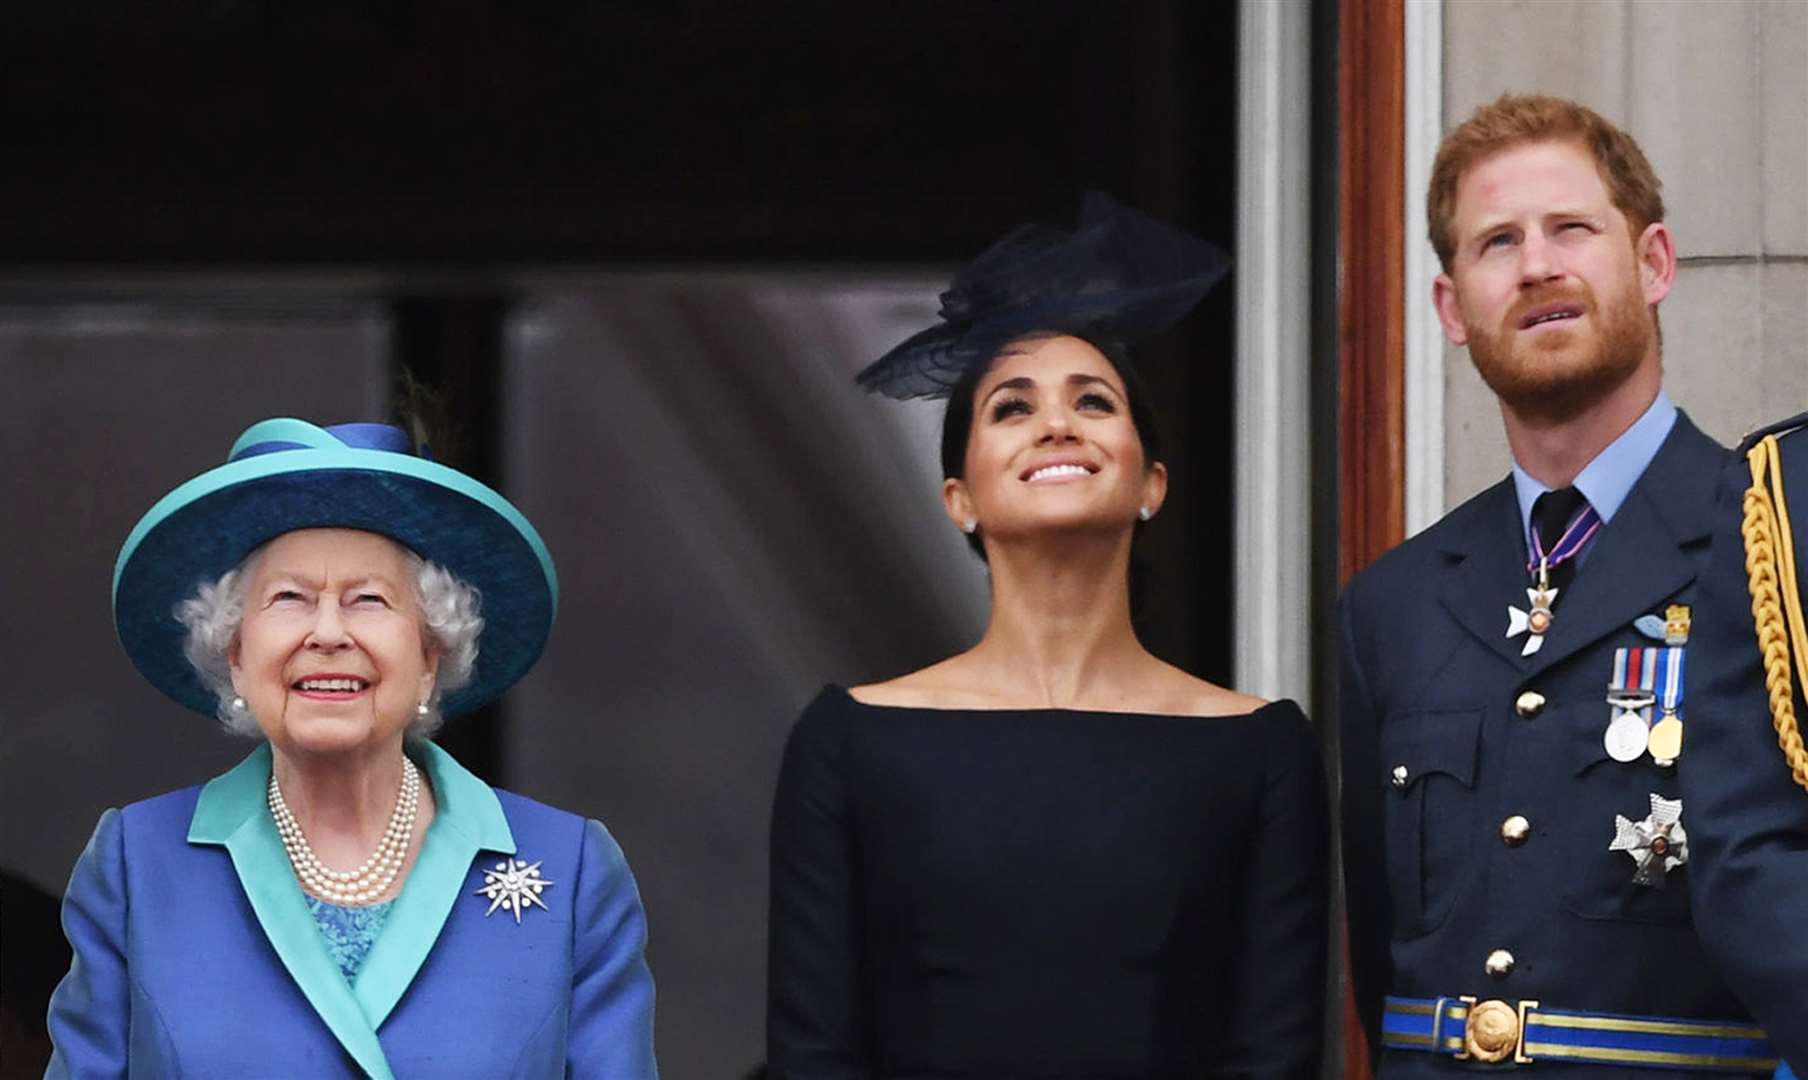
(1119, 277)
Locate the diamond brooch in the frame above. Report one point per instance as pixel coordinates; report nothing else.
(512, 886)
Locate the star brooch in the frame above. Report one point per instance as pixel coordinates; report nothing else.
(1656, 844)
(512, 886)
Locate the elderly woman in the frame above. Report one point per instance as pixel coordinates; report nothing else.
(1052, 855)
(348, 900)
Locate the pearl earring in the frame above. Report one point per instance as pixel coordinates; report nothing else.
(970, 526)
(1145, 513)
(238, 704)
(422, 710)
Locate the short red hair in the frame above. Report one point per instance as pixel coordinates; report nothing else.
(1517, 119)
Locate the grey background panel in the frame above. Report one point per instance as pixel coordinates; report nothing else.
(735, 524)
(107, 407)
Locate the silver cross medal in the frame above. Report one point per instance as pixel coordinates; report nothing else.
(512, 886)
(1656, 844)
(1541, 596)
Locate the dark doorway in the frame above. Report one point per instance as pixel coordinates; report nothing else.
(415, 186)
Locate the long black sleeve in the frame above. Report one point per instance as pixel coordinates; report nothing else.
(815, 992)
(1283, 936)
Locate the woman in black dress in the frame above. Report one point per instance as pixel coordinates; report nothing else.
(1052, 855)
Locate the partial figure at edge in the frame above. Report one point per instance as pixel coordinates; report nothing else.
(1747, 772)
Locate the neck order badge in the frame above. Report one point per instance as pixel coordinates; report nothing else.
(1543, 595)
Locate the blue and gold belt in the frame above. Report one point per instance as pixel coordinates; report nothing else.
(1522, 1032)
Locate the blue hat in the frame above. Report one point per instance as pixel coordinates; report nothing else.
(284, 475)
(1119, 277)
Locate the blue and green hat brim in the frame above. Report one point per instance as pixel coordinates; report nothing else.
(208, 525)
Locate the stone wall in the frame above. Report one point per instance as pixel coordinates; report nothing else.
(1716, 91)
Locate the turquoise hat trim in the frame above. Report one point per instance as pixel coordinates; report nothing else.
(287, 474)
(326, 452)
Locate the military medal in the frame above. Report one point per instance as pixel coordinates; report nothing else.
(1627, 737)
(512, 886)
(1666, 734)
(1630, 693)
(1657, 844)
(1536, 621)
(1676, 624)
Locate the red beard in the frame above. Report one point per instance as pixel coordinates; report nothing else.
(1562, 373)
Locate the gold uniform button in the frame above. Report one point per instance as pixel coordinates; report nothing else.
(1529, 704)
(1514, 830)
(1499, 963)
(1400, 775)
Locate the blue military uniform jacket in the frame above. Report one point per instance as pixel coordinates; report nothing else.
(1750, 834)
(1448, 732)
(196, 955)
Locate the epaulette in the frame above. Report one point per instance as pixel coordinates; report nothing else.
(1776, 592)
(1781, 427)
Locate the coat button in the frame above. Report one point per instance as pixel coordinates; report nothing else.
(1529, 704)
(1499, 963)
(1514, 830)
(1400, 775)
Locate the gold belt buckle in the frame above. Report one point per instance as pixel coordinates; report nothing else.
(1494, 1029)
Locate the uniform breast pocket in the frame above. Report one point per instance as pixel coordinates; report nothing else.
(1429, 758)
(1599, 881)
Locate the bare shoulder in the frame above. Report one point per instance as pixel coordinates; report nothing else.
(1190, 695)
(958, 683)
(943, 685)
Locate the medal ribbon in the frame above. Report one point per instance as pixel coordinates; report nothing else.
(1635, 673)
(1576, 535)
(1668, 690)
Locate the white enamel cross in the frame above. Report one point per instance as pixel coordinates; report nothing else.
(1537, 620)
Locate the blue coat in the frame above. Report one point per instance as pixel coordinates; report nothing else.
(196, 955)
(1438, 754)
(1750, 837)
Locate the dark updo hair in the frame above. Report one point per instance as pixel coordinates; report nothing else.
(957, 418)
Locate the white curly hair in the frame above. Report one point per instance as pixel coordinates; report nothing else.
(451, 621)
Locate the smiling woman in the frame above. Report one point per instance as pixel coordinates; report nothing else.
(322, 590)
(1103, 384)
(942, 840)
(396, 582)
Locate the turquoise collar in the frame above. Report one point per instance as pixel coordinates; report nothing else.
(467, 819)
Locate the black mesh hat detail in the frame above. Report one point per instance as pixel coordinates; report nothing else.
(1118, 277)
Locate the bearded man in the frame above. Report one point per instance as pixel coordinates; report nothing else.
(1512, 697)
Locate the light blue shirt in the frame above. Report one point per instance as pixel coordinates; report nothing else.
(1607, 480)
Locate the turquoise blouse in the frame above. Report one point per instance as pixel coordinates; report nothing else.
(349, 931)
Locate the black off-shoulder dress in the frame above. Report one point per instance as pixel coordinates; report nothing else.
(1047, 893)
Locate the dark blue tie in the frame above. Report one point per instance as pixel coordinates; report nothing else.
(1552, 514)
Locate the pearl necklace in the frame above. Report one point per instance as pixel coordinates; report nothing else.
(367, 882)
